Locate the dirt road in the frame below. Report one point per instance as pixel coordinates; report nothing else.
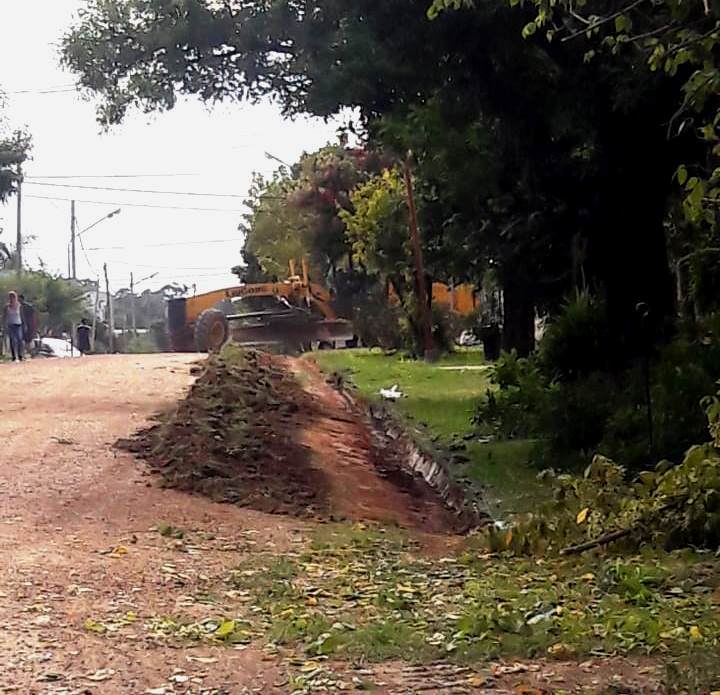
(88, 581)
(77, 538)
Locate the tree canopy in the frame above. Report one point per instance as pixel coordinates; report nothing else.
(535, 157)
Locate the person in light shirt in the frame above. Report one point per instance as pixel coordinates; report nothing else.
(14, 327)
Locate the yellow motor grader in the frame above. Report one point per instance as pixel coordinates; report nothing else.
(295, 314)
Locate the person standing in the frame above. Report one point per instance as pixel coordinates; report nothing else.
(83, 336)
(13, 321)
(29, 320)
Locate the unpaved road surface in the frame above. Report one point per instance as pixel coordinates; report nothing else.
(80, 551)
(67, 498)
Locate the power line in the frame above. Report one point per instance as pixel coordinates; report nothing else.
(137, 205)
(171, 243)
(46, 90)
(107, 176)
(87, 258)
(164, 267)
(141, 190)
(176, 276)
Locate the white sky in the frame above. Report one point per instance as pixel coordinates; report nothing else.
(221, 147)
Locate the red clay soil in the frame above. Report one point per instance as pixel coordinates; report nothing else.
(79, 542)
(67, 498)
(269, 433)
(364, 484)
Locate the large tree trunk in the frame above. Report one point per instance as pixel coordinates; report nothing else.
(629, 245)
(518, 317)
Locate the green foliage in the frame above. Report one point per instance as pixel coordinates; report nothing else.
(58, 302)
(561, 398)
(275, 232)
(517, 409)
(297, 213)
(513, 137)
(14, 150)
(362, 594)
(379, 323)
(576, 340)
(377, 228)
(671, 506)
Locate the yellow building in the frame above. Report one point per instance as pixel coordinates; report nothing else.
(460, 299)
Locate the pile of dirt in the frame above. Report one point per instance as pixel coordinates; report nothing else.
(233, 438)
(268, 432)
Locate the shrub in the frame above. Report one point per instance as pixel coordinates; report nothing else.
(377, 324)
(601, 412)
(575, 342)
(517, 407)
(670, 506)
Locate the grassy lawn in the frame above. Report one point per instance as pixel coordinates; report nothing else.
(443, 396)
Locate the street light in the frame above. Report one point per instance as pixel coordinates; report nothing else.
(76, 235)
(277, 159)
(102, 219)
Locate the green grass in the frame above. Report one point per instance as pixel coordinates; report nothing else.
(429, 388)
(445, 400)
(363, 595)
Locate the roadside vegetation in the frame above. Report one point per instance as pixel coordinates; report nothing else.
(439, 403)
(564, 157)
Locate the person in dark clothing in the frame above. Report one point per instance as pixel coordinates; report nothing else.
(83, 337)
(13, 322)
(29, 319)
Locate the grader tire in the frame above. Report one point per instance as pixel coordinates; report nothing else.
(212, 331)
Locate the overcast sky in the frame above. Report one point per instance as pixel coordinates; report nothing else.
(218, 148)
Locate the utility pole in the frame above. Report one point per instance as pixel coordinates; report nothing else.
(18, 242)
(420, 286)
(95, 313)
(72, 241)
(132, 304)
(110, 316)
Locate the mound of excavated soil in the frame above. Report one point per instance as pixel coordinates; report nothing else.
(232, 439)
(268, 432)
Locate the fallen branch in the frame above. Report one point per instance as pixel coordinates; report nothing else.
(603, 540)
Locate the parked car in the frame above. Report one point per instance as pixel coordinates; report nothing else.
(53, 347)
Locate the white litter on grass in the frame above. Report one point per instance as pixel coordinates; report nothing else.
(542, 616)
(392, 394)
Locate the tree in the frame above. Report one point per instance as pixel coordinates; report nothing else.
(377, 230)
(58, 302)
(14, 150)
(531, 160)
(276, 232)
(297, 214)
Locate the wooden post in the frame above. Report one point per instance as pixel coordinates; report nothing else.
(421, 288)
(94, 318)
(132, 304)
(73, 261)
(109, 316)
(18, 240)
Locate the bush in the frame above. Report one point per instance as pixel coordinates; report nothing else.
(575, 342)
(141, 344)
(604, 413)
(377, 324)
(516, 407)
(58, 302)
(670, 506)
